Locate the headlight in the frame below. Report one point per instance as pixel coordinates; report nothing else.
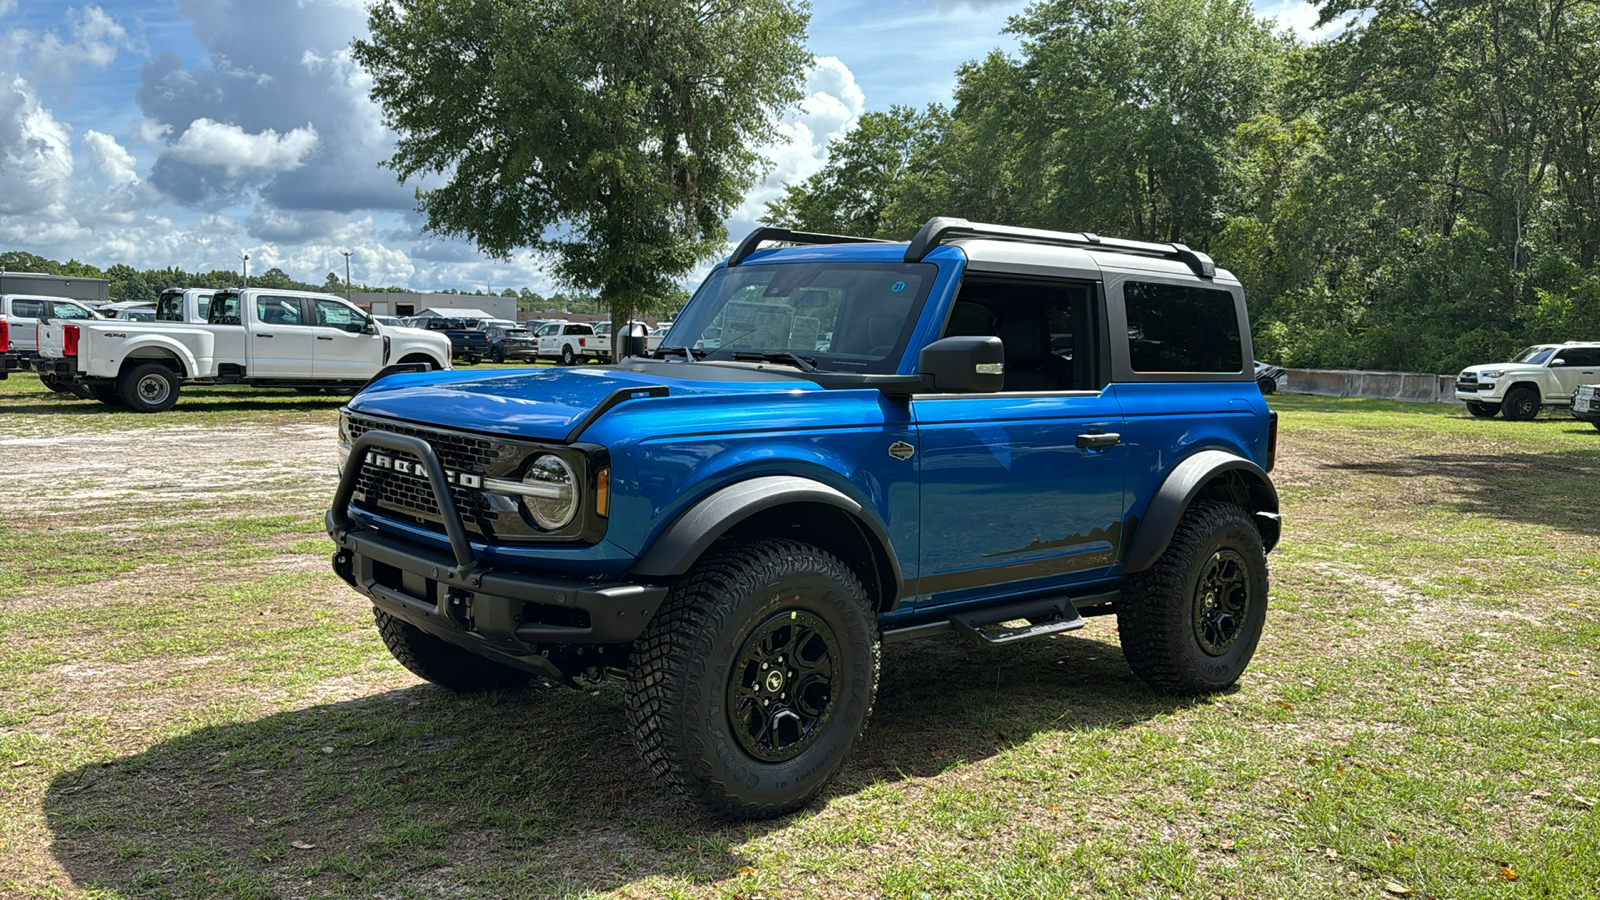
(1492, 373)
(344, 441)
(550, 492)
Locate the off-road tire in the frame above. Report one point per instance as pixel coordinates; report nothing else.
(1521, 405)
(442, 662)
(1482, 410)
(685, 666)
(148, 388)
(567, 356)
(1160, 614)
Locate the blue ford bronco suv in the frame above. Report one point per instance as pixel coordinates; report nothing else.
(841, 443)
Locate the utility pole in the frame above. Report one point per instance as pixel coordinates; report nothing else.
(245, 258)
(346, 275)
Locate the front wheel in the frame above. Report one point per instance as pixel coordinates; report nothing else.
(1522, 404)
(1482, 410)
(148, 388)
(1190, 623)
(750, 687)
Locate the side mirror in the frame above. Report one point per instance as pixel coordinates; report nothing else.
(366, 326)
(964, 365)
(1557, 362)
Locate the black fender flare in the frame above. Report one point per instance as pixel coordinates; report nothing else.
(1184, 483)
(683, 541)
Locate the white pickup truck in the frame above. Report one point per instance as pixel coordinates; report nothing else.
(24, 312)
(256, 336)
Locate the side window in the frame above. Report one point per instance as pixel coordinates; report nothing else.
(333, 314)
(203, 305)
(1182, 328)
(27, 309)
(60, 310)
(1582, 356)
(278, 310)
(1045, 328)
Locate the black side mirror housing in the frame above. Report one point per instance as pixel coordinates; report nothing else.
(964, 365)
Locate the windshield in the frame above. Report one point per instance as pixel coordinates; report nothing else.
(848, 317)
(1534, 356)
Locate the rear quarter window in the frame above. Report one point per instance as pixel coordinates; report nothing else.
(1182, 328)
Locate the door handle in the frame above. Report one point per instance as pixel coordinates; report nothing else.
(1094, 441)
(259, 334)
(323, 338)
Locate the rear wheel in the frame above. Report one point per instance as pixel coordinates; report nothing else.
(498, 355)
(442, 662)
(567, 357)
(1190, 623)
(1267, 385)
(749, 688)
(1522, 404)
(148, 388)
(1482, 410)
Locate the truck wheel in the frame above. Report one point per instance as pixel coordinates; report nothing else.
(497, 355)
(1190, 623)
(1482, 410)
(442, 662)
(1267, 385)
(148, 388)
(748, 689)
(1522, 404)
(567, 358)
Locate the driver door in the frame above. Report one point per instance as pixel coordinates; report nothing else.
(343, 350)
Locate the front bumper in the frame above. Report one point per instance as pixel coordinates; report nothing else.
(509, 615)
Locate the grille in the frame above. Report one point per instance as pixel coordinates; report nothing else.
(384, 490)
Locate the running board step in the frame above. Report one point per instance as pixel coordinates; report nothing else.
(1052, 616)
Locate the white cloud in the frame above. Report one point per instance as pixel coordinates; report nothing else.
(96, 37)
(833, 104)
(35, 154)
(210, 143)
(113, 162)
(1300, 17)
(151, 132)
(7, 7)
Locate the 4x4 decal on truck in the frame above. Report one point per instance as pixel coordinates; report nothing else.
(718, 527)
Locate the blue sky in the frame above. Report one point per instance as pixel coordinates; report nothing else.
(187, 132)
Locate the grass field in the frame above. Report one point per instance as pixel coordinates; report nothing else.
(192, 705)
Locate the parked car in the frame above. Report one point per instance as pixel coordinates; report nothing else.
(1267, 376)
(391, 321)
(188, 305)
(467, 345)
(135, 314)
(486, 324)
(1542, 375)
(24, 312)
(734, 536)
(567, 342)
(258, 337)
(1586, 404)
(511, 343)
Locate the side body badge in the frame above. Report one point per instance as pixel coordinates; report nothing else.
(901, 450)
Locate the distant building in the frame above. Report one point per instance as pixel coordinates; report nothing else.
(420, 304)
(92, 290)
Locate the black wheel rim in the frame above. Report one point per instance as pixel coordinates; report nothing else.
(1523, 406)
(1222, 599)
(780, 692)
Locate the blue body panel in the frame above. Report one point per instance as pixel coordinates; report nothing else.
(1168, 422)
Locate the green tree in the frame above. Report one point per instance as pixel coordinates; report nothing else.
(616, 136)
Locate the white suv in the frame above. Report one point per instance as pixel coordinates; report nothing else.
(1542, 375)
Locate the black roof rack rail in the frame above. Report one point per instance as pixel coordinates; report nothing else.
(767, 233)
(941, 229)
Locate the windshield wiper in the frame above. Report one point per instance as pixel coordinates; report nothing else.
(803, 363)
(688, 352)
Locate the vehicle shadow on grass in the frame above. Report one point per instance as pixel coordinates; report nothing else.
(532, 793)
(196, 401)
(1553, 489)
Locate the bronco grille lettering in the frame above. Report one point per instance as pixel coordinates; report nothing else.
(418, 470)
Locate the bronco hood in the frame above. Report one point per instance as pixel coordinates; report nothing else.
(545, 404)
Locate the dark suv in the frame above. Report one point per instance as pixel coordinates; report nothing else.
(989, 431)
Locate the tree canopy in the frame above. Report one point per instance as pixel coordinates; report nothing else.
(615, 136)
(1418, 193)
